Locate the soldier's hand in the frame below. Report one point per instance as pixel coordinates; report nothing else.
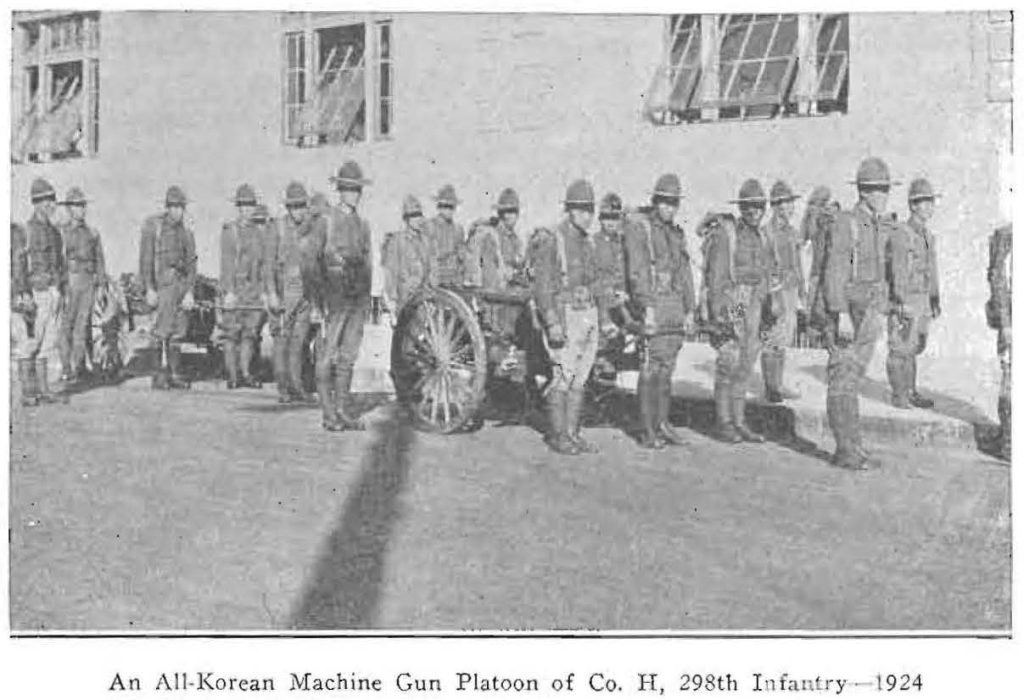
(609, 329)
(230, 300)
(151, 297)
(556, 336)
(316, 315)
(619, 298)
(188, 302)
(845, 331)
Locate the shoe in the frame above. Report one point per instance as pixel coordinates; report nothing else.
(562, 445)
(175, 382)
(285, 399)
(919, 401)
(727, 433)
(333, 426)
(788, 394)
(901, 402)
(584, 446)
(746, 434)
(854, 461)
(773, 396)
(651, 441)
(231, 384)
(670, 436)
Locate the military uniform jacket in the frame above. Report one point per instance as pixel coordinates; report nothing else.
(84, 250)
(658, 267)
(46, 265)
(1000, 268)
(340, 263)
(855, 261)
(737, 257)
(783, 241)
(611, 267)
(287, 245)
(19, 261)
(494, 254)
(913, 264)
(406, 259)
(242, 245)
(167, 253)
(566, 273)
(445, 240)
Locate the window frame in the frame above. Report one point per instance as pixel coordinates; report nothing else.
(44, 58)
(308, 26)
(800, 88)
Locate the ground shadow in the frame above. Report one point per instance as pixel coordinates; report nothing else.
(949, 406)
(345, 590)
(362, 403)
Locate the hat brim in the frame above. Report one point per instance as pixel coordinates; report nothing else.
(780, 200)
(747, 200)
(349, 182)
(175, 203)
(73, 202)
(449, 202)
(296, 202)
(919, 197)
(876, 183)
(666, 195)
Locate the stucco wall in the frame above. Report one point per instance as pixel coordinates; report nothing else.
(533, 102)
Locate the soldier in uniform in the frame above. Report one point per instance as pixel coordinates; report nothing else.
(611, 267)
(406, 257)
(242, 243)
(47, 279)
(568, 296)
(854, 289)
(86, 271)
(737, 273)
(791, 297)
(445, 239)
(339, 269)
(913, 295)
(288, 240)
(167, 268)
(22, 313)
(1000, 318)
(661, 285)
(819, 215)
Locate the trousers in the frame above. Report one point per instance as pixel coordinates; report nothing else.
(77, 321)
(45, 341)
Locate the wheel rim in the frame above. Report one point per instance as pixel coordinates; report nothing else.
(438, 360)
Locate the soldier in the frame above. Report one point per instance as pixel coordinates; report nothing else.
(611, 268)
(86, 271)
(1000, 318)
(737, 273)
(568, 297)
(47, 279)
(406, 258)
(339, 270)
(288, 241)
(445, 239)
(914, 295)
(22, 313)
(167, 268)
(242, 243)
(854, 294)
(791, 297)
(661, 284)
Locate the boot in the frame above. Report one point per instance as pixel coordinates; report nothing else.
(573, 418)
(842, 418)
(27, 378)
(285, 391)
(325, 391)
(725, 430)
(785, 392)
(558, 439)
(295, 356)
(665, 429)
(772, 377)
(915, 398)
(231, 363)
(245, 362)
(175, 380)
(648, 399)
(343, 401)
(43, 391)
(1005, 428)
(896, 369)
(739, 406)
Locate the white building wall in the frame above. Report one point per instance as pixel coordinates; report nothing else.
(487, 101)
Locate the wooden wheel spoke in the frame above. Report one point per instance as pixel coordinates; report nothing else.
(447, 400)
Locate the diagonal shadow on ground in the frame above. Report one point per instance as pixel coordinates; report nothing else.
(345, 590)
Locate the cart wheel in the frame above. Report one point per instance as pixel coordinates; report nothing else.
(439, 360)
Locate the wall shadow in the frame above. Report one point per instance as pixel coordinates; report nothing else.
(345, 589)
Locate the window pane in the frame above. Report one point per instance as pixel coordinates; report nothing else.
(757, 44)
(772, 86)
(732, 41)
(831, 75)
(745, 81)
(385, 80)
(385, 40)
(31, 37)
(682, 88)
(843, 37)
(385, 117)
(833, 28)
(785, 37)
(94, 115)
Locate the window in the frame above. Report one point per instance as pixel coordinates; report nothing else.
(1000, 56)
(750, 66)
(329, 95)
(58, 65)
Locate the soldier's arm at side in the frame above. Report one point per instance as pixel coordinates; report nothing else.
(638, 265)
(101, 259)
(933, 268)
(836, 264)
(271, 250)
(388, 267)
(689, 296)
(228, 255)
(716, 271)
(545, 283)
(896, 254)
(147, 257)
(312, 266)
